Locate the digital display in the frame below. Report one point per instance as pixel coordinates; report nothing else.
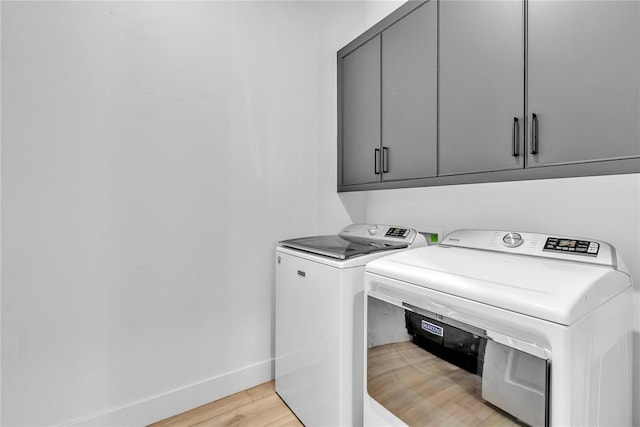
(572, 246)
(397, 232)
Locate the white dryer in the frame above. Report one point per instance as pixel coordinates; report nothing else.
(499, 328)
(319, 319)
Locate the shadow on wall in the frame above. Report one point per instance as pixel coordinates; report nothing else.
(355, 205)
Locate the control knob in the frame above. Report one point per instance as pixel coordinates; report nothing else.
(512, 240)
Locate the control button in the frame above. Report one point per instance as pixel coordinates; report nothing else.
(373, 229)
(512, 240)
(592, 250)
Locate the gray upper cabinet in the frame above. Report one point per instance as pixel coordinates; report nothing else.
(583, 80)
(409, 95)
(387, 106)
(481, 86)
(361, 113)
(461, 91)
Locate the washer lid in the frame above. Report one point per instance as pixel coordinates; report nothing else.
(340, 247)
(550, 289)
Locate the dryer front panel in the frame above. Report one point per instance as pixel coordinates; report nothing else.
(430, 369)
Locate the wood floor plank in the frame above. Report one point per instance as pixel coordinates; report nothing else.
(450, 397)
(262, 390)
(205, 412)
(260, 412)
(258, 406)
(288, 421)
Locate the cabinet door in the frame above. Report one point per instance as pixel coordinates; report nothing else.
(409, 95)
(583, 80)
(361, 114)
(481, 86)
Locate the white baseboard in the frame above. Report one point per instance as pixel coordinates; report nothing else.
(180, 400)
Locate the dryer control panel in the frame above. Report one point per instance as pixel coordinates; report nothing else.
(533, 244)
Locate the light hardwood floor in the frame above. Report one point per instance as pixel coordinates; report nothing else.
(257, 406)
(424, 390)
(396, 378)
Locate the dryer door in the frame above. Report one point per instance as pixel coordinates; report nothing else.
(428, 369)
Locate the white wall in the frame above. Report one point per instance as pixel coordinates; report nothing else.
(152, 155)
(376, 10)
(605, 208)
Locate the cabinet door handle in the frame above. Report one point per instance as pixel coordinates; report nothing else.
(385, 160)
(515, 137)
(534, 133)
(376, 161)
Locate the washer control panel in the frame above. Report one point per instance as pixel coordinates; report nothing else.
(390, 234)
(572, 246)
(389, 231)
(397, 232)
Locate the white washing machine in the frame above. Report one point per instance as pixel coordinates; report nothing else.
(499, 328)
(319, 319)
